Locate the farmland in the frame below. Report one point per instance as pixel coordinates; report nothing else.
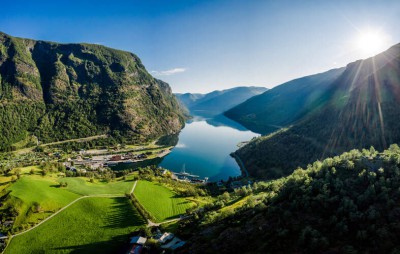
(36, 197)
(161, 202)
(91, 225)
(44, 191)
(82, 186)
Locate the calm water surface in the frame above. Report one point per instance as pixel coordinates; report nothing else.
(204, 146)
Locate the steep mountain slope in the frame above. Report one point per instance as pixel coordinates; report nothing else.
(217, 102)
(284, 104)
(363, 110)
(63, 91)
(346, 204)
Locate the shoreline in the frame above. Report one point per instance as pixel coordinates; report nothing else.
(242, 167)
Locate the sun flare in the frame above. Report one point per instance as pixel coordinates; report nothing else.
(371, 42)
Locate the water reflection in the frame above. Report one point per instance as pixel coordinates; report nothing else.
(204, 146)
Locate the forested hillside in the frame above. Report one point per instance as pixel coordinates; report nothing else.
(362, 110)
(63, 91)
(345, 204)
(284, 104)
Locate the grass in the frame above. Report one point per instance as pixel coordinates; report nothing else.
(45, 191)
(91, 225)
(159, 201)
(82, 186)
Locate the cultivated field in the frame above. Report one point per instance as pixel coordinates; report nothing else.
(82, 186)
(43, 190)
(161, 202)
(91, 225)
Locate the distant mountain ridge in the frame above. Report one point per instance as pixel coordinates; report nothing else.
(63, 91)
(362, 109)
(217, 102)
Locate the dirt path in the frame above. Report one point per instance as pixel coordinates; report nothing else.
(133, 187)
(153, 224)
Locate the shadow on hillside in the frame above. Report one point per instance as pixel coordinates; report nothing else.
(118, 244)
(123, 215)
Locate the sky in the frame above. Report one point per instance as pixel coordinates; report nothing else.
(201, 46)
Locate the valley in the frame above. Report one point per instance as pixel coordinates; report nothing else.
(244, 127)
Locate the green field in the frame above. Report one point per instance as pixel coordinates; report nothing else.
(45, 191)
(159, 201)
(92, 225)
(82, 186)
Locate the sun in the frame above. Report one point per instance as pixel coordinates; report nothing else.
(371, 42)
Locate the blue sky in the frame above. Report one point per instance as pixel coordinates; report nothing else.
(200, 46)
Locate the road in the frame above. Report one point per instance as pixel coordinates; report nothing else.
(75, 140)
(153, 224)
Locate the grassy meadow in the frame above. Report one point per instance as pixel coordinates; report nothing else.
(82, 186)
(161, 202)
(33, 189)
(91, 225)
(43, 190)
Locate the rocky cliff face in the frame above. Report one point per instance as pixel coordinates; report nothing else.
(63, 91)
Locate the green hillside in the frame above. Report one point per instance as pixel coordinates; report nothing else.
(345, 204)
(362, 110)
(284, 104)
(64, 91)
(91, 225)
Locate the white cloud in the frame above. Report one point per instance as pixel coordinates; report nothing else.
(168, 72)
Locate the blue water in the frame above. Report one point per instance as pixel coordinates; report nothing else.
(204, 146)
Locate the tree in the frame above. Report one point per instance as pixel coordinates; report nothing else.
(225, 196)
(36, 207)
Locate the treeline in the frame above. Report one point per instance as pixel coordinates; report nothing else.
(344, 204)
(143, 212)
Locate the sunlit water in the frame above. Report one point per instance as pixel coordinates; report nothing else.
(204, 149)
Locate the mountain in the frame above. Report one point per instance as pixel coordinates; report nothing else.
(346, 204)
(217, 102)
(284, 104)
(63, 91)
(362, 110)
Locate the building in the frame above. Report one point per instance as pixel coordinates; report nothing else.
(165, 237)
(116, 158)
(138, 240)
(136, 246)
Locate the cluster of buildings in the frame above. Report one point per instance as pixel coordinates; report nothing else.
(101, 161)
(167, 240)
